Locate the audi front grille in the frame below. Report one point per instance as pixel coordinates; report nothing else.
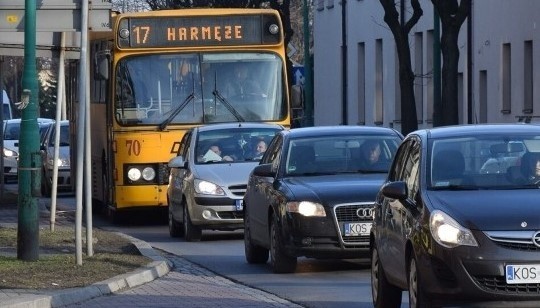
(351, 213)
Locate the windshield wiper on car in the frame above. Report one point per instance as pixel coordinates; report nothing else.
(371, 171)
(456, 187)
(313, 173)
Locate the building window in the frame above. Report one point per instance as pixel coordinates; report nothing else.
(429, 64)
(397, 91)
(361, 84)
(528, 78)
(378, 82)
(320, 5)
(506, 78)
(419, 72)
(482, 95)
(330, 4)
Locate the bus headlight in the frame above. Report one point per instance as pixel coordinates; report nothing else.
(148, 173)
(134, 174)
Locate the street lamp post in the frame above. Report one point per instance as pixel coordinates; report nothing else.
(308, 73)
(29, 155)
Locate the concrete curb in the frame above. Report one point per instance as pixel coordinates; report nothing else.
(155, 269)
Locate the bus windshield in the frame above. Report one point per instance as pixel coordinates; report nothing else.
(170, 89)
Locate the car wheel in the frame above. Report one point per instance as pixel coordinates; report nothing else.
(280, 261)
(254, 254)
(417, 297)
(383, 293)
(191, 233)
(175, 229)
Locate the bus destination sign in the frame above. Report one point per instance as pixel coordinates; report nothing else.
(162, 32)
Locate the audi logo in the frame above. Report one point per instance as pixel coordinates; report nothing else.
(368, 213)
(536, 238)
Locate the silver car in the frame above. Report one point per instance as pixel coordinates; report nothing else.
(47, 152)
(209, 176)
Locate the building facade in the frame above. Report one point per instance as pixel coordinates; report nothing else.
(505, 44)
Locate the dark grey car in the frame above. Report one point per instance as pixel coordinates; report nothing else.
(457, 221)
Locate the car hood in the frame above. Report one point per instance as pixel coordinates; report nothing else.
(490, 209)
(225, 174)
(63, 152)
(335, 189)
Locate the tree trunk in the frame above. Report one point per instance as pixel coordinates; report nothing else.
(409, 120)
(449, 89)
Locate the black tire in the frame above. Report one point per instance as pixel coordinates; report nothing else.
(382, 292)
(192, 233)
(280, 261)
(175, 228)
(417, 296)
(113, 216)
(254, 254)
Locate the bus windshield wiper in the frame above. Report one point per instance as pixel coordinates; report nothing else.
(176, 111)
(179, 108)
(226, 103)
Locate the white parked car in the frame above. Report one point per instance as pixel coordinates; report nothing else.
(12, 131)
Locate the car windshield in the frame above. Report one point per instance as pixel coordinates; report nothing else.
(232, 145)
(492, 162)
(169, 89)
(340, 154)
(64, 136)
(12, 130)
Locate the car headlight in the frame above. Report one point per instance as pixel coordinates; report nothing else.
(62, 162)
(448, 232)
(134, 174)
(148, 173)
(306, 208)
(208, 188)
(10, 153)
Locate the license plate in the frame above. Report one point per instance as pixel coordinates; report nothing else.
(357, 228)
(239, 205)
(529, 273)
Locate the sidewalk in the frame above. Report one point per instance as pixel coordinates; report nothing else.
(183, 284)
(22, 298)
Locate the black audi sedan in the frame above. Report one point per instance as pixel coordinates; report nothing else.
(458, 219)
(313, 192)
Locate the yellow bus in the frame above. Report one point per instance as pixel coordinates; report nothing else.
(159, 73)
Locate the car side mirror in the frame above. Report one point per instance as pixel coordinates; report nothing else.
(395, 190)
(177, 162)
(264, 170)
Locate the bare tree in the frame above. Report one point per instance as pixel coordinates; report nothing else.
(452, 16)
(401, 28)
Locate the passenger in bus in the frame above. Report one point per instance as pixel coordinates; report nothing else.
(242, 83)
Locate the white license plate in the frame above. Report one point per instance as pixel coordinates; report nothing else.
(529, 273)
(239, 205)
(356, 228)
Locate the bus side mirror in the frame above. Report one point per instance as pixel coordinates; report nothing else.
(297, 96)
(101, 68)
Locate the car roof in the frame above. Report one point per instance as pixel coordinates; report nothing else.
(217, 126)
(341, 130)
(40, 120)
(477, 129)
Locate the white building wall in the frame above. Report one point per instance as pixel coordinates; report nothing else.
(495, 23)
